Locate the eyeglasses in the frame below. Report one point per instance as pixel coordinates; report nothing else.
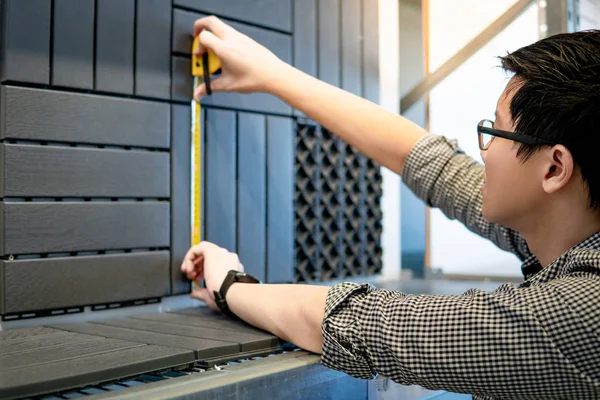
(486, 133)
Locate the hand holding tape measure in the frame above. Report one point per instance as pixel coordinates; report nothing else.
(246, 65)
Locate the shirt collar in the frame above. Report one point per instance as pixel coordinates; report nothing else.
(531, 266)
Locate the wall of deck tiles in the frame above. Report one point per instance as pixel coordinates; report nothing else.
(95, 118)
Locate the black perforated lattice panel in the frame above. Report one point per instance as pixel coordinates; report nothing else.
(337, 208)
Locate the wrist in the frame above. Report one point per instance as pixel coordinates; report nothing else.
(223, 295)
(280, 79)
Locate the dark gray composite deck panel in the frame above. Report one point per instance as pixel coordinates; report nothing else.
(220, 186)
(26, 56)
(351, 46)
(371, 50)
(203, 348)
(49, 115)
(47, 227)
(252, 200)
(115, 45)
(153, 48)
(329, 41)
(270, 13)
(180, 195)
(278, 43)
(73, 44)
(280, 199)
(62, 282)
(62, 375)
(246, 341)
(51, 171)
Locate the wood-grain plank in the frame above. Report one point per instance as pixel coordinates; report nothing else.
(67, 374)
(73, 46)
(26, 56)
(153, 48)
(65, 351)
(351, 29)
(115, 45)
(197, 320)
(203, 348)
(329, 41)
(280, 199)
(220, 187)
(371, 50)
(180, 195)
(251, 191)
(35, 343)
(61, 282)
(25, 332)
(270, 13)
(278, 43)
(49, 115)
(52, 171)
(246, 341)
(46, 227)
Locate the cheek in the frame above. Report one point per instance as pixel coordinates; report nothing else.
(510, 185)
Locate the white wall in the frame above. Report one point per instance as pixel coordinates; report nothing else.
(458, 104)
(589, 11)
(389, 65)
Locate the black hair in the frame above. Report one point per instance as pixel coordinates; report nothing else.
(557, 98)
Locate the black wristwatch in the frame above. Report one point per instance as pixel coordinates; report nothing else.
(232, 277)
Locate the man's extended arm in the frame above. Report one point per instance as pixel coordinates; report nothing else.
(441, 178)
(499, 344)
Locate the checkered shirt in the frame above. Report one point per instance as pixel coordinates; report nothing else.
(540, 340)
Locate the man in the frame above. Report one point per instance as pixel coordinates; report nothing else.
(538, 197)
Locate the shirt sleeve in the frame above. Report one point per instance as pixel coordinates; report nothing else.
(497, 344)
(443, 176)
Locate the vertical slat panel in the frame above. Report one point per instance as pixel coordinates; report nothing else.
(305, 36)
(220, 176)
(73, 47)
(252, 194)
(329, 41)
(180, 195)
(280, 199)
(351, 46)
(371, 50)
(153, 48)
(182, 80)
(114, 45)
(26, 55)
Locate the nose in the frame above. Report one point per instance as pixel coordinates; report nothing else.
(483, 155)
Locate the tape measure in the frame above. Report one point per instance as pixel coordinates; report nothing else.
(198, 72)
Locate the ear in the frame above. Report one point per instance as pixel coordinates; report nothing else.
(559, 169)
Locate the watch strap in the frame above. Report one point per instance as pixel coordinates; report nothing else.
(232, 277)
